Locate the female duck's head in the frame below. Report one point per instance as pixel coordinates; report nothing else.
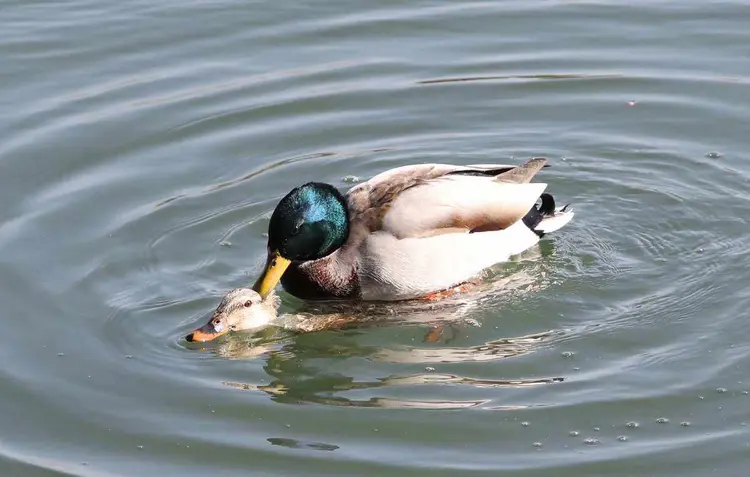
(310, 222)
(240, 309)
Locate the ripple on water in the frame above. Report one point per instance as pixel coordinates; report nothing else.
(128, 166)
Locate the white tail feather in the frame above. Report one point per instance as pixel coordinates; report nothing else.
(555, 222)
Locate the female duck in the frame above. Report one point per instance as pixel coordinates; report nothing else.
(407, 232)
(243, 309)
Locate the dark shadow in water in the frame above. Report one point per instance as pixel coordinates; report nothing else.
(297, 444)
(507, 77)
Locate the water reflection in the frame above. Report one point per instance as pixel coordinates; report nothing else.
(489, 351)
(297, 376)
(293, 356)
(319, 389)
(322, 388)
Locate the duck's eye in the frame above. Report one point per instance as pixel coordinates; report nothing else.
(248, 304)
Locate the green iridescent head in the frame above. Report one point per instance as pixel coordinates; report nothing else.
(310, 222)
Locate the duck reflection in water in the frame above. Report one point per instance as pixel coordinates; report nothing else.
(296, 380)
(287, 346)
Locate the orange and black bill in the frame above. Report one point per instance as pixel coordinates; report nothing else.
(210, 331)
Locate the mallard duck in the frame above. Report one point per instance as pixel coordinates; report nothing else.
(243, 309)
(407, 233)
(240, 309)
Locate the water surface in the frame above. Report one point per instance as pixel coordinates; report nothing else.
(144, 145)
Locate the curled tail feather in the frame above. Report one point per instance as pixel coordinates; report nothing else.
(546, 218)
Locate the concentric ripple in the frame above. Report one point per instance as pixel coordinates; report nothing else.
(144, 145)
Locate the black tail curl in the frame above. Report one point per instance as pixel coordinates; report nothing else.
(534, 216)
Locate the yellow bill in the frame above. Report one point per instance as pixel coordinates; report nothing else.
(275, 267)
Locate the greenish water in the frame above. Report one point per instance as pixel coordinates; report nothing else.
(143, 146)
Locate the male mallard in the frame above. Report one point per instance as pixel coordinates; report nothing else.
(407, 232)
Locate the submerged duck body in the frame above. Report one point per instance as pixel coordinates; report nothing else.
(407, 232)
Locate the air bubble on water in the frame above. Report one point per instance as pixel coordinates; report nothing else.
(128, 356)
(622, 438)
(264, 235)
(685, 424)
(590, 441)
(60, 355)
(662, 420)
(713, 155)
(537, 444)
(721, 390)
(596, 429)
(350, 179)
(140, 447)
(574, 433)
(701, 398)
(744, 393)
(633, 425)
(525, 424)
(429, 369)
(225, 243)
(567, 354)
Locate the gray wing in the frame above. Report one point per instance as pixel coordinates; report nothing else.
(443, 198)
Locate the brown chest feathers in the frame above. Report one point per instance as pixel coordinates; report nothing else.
(322, 279)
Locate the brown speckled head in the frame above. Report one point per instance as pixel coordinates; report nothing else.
(240, 309)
